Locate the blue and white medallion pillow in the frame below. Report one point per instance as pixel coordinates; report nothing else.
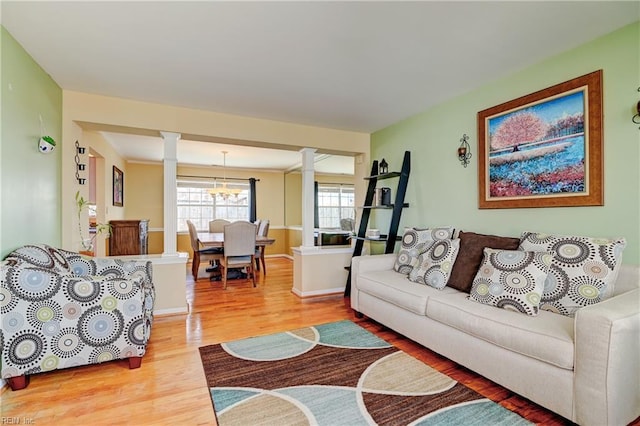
(583, 271)
(436, 263)
(415, 242)
(511, 279)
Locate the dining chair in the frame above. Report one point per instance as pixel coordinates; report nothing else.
(347, 224)
(199, 253)
(239, 249)
(217, 225)
(263, 231)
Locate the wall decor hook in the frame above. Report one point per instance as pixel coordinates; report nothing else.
(636, 117)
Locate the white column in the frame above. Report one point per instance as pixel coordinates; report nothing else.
(308, 199)
(170, 193)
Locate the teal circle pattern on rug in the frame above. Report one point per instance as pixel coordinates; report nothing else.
(342, 334)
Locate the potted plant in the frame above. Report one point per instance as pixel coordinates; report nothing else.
(46, 144)
(88, 243)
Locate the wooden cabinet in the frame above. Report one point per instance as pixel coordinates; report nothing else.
(129, 237)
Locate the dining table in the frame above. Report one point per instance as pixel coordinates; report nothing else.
(216, 239)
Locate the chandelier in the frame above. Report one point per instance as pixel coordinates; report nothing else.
(223, 191)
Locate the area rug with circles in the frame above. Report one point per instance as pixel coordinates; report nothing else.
(336, 374)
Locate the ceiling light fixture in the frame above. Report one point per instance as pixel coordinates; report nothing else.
(223, 191)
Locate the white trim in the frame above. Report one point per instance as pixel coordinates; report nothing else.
(326, 292)
(170, 311)
(295, 228)
(321, 251)
(158, 259)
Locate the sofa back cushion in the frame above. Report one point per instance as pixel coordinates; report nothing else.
(470, 256)
(583, 271)
(43, 256)
(628, 279)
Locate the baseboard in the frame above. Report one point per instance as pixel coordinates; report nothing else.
(318, 293)
(279, 255)
(170, 311)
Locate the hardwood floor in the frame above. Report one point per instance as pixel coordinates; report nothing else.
(170, 387)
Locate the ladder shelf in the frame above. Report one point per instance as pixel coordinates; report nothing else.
(392, 237)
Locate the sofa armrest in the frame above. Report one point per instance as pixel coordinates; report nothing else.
(111, 267)
(368, 263)
(375, 262)
(607, 372)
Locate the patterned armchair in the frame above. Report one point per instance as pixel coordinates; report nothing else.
(60, 309)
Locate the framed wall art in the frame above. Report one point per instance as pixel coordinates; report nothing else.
(543, 149)
(118, 187)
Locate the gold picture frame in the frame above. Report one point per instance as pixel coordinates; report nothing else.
(543, 149)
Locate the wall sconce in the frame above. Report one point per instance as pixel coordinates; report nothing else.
(636, 117)
(464, 150)
(79, 166)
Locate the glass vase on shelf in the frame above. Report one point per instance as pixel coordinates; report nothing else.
(87, 246)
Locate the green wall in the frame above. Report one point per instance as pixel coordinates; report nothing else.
(29, 181)
(442, 192)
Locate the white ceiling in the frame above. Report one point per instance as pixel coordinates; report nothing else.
(354, 65)
(148, 148)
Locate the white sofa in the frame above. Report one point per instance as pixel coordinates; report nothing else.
(586, 368)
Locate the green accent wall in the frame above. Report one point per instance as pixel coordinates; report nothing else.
(30, 182)
(442, 192)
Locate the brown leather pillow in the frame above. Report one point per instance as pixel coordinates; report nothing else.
(470, 256)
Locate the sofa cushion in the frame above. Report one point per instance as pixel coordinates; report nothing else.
(395, 288)
(583, 270)
(470, 256)
(511, 279)
(415, 242)
(546, 337)
(435, 266)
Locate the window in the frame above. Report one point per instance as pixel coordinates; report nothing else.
(197, 205)
(335, 202)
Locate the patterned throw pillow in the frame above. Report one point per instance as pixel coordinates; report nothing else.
(583, 272)
(436, 263)
(415, 242)
(511, 279)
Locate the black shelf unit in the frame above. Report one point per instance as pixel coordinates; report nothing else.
(392, 237)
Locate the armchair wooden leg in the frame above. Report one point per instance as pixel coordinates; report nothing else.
(224, 275)
(17, 383)
(252, 270)
(134, 362)
(195, 266)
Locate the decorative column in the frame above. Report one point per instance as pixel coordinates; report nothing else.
(308, 198)
(170, 162)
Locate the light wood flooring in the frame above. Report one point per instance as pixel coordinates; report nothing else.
(170, 389)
